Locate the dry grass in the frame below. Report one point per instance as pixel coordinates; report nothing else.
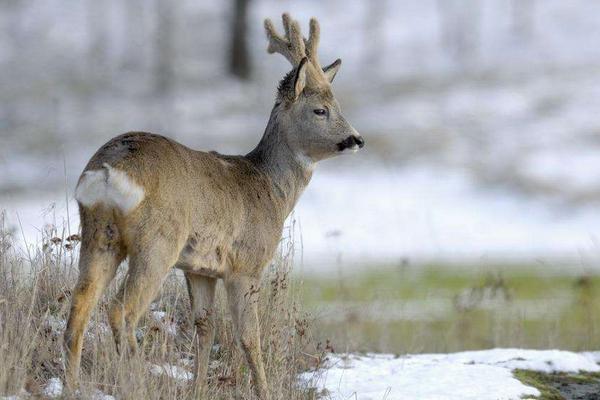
(34, 301)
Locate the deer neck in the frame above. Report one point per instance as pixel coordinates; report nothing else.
(288, 171)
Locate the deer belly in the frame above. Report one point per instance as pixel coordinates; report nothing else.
(202, 256)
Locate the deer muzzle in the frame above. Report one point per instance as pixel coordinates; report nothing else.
(352, 142)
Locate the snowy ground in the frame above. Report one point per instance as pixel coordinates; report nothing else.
(474, 375)
(470, 375)
(379, 215)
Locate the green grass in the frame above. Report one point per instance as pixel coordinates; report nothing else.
(548, 384)
(540, 381)
(437, 308)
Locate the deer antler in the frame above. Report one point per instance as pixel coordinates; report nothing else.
(294, 47)
(312, 44)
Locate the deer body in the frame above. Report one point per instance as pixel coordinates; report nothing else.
(224, 214)
(164, 205)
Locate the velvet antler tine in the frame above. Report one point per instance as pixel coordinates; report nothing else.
(296, 40)
(294, 47)
(312, 44)
(286, 20)
(273, 37)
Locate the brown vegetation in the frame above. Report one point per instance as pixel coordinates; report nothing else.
(34, 300)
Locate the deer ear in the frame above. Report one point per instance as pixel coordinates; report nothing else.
(332, 69)
(300, 78)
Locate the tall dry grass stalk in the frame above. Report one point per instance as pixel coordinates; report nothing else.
(34, 301)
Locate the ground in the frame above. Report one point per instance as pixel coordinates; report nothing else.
(497, 374)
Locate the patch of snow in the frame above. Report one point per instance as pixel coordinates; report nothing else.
(172, 371)
(163, 322)
(572, 168)
(537, 360)
(97, 329)
(424, 213)
(54, 325)
(53, 388)
(97, 394)
(472, 375)
(594, 356)
(187, 362)
(158, 315)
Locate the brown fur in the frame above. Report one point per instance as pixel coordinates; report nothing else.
(211, 215)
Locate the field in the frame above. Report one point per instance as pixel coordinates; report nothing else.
(468, 222)
(440, 308)
(34, 300)
(406, 309)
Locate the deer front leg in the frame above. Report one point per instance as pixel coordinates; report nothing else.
(242, 296)
(202, 297)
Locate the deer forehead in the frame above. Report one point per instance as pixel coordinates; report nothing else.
(324, 97)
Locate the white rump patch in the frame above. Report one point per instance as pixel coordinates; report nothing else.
(109, 186)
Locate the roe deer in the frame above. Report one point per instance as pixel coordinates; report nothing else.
(163, 205)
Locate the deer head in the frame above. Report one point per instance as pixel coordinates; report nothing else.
(313, 123)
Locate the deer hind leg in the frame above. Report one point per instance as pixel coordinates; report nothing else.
(100, 255)
(242, 296)
(202, 297)
(148, 266)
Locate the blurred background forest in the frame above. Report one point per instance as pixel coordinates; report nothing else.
(480, 116)
(478, 188)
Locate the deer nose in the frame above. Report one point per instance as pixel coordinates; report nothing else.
(359, 141)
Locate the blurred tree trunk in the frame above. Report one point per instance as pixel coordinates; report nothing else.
(522, 18)
(9, 108)
(374, 37)
(460, 29)
(16, 10)
(239, 58)
(132, 56)
(164, 73)
(97, 17)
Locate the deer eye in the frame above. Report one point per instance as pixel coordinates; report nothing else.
(320, 111)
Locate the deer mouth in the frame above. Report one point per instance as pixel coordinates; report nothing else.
(352, 143)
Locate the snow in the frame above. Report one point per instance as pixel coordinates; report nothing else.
(171, 371)
(422, 213)
(472, 375)
(97, 394)
(537, 360)
(163, 322)
(55, 326)
(377, 215)
(53, 388)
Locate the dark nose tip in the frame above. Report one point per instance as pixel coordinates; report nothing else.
(359, 141)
